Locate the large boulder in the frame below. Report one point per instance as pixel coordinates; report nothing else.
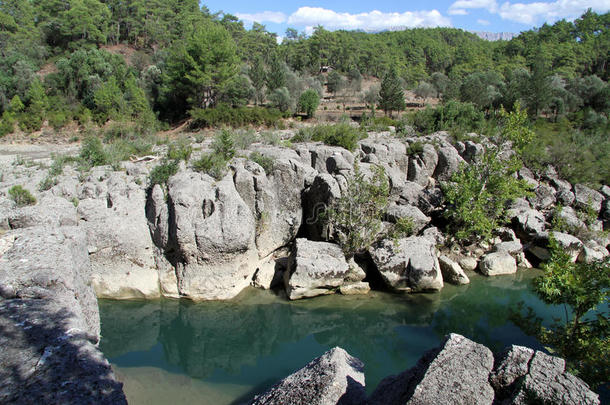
(333, 378)
(318, 268)
(316, 198)
(570, 244)
(544, 197)
(528, 222)
(408, 212)
(422, 165)
(408, 264)
(274, 199)
(497, 263)
(452, 271)
(524, 376)
(455, 373)
(119, 242)
(586, 198)
(207, 233)
(49, 211)
(449, 162)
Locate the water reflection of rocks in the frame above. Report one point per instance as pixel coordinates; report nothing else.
(201, 338)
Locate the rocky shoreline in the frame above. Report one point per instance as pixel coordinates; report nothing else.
(106, 234)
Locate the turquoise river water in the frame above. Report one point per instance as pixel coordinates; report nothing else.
(173, 351)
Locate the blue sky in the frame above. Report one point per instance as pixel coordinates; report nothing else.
(475, 15)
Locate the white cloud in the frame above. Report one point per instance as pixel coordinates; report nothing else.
(531, 13)
(537, 12)
(458, 11)
(264, 16)
(483, 22)
(373, 20)
(460, 6)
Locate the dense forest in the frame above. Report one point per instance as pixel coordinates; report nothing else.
(158, 62)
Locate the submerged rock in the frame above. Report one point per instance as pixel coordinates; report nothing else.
(333, 378)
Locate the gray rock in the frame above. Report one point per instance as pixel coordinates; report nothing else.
(570, 244)
(455, 373)
(605, 191)
(525, 376)
(207, 232)
(496, 263)
(419, 219)
(358, 288)
(592, 252)
(449, 162)
(333, 378)
(410, 264)
(565, 197)
(121, 249)
(468, 263)
(49, 211)
(323, 157)
(559, 184)
(434, 235)
(544, 196)
(44, 360)
(452, 272)
(528, 222)
(411, 193)
(323, 191)
(472, 151)
(586, 198)
(422, 166)
(569, 216)
(317, 268)
(513, 248)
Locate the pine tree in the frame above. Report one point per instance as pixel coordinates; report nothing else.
(391, 97)
(257, 76)
(276, 78)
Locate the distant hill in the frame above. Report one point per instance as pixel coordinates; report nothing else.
(495, 36)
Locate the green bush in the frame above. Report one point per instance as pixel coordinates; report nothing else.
(180, 150)
(308, 102)
(341, 134)
(160, 174)
(92, 152)
(234, 117)
(415, 148)
(21, 196)
(478, 194)
(58, 119)
(224, 145)
(244, 138)
(265, 162)
(47, 183)
(212, 164)
(453, 116)
(7, 124)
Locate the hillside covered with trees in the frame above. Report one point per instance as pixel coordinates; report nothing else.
(157, 63)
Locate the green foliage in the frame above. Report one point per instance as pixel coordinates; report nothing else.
(515, 128)
(415, 148)
(355, 219)
(92, 152)
(212, 164)
(180, 150)
(7, 124)
(223, 145)
(391, 96)
(266, 162)
(21, 196)
(453, 116)
(280, 99)
(244, 138)
(234, 117)
(160, 174)
(583, 290)
(308, 102)
(47, 183)
(341, 134)
(478, 194)
(34, 115)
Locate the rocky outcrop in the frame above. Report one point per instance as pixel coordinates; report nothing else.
(525, 376)
(452, 271)
(319, 268)
(333, 378)
(455, 373)
(460, 371)
(409, 264)
(50, 322)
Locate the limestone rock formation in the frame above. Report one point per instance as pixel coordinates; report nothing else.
(333, 378)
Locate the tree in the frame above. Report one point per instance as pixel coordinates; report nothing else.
(539, 92)
(583, 337)
(37, 106)
(308, 102)
(276, 77)
(371, 97)
(258, 77)
(425, 90)
(440, 83)
(280, 99)
(391, 97)
(197, 69)
(335, 83)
